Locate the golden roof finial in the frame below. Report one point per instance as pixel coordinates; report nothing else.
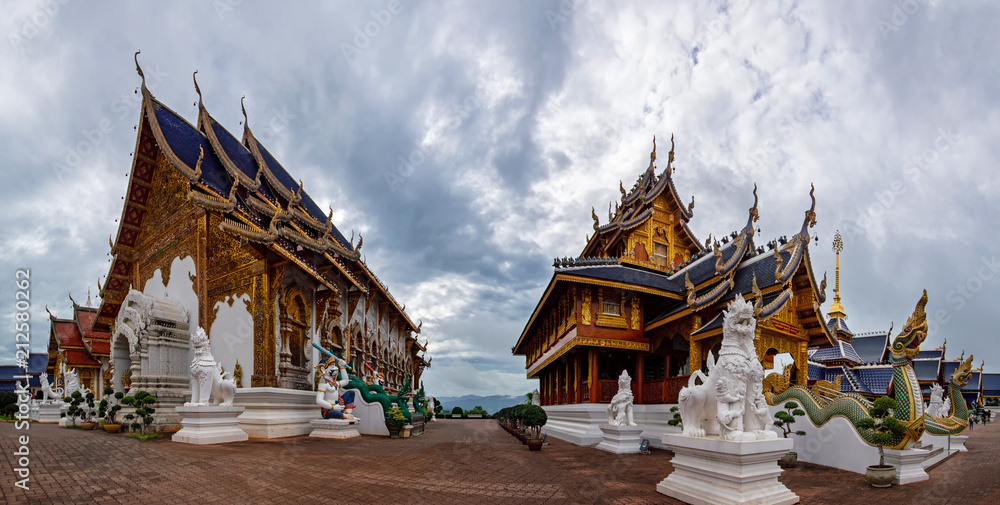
(670, 155)
(194, 76)
(72, 300)
(652, 155)
(246, 122)
(89, 304)
(836, 308)
(139, 69)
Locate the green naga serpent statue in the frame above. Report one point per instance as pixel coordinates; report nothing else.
(821, 406)
(958, 418)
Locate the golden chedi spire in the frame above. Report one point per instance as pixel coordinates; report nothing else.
(836, 308)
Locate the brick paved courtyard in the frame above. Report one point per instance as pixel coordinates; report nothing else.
(455, 462)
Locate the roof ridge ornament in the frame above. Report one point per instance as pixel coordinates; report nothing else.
(594, 215)
(139, 69)
(246, 122)
(194, 77)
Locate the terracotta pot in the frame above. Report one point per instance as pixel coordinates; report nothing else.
(789, 460)
(88, 425)
(881, 475)
(524, 439)
(112, 428)
(534, 444)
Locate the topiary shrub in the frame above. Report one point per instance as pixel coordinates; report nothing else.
(534, 417)
(457, 411)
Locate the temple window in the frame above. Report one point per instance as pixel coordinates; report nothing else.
(611, 304)
(660, 254)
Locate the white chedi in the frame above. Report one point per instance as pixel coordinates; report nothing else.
(208, 384)
(536, 398)
(730, 400)
(939, 405)
(620, 408)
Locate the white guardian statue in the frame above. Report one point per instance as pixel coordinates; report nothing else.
(939, 405)
(207, 381)
(620, 408)
(49, 393)
(730, 400)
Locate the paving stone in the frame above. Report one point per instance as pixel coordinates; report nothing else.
(469, 461)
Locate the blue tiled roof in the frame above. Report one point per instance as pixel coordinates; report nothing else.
(970, 397)
(973, 384)
(816, 372)
(836, 324)
(948, 368)
(186, 142)
(991, 381)
(871, 348)
(875, 378)
(926, 369)
(624, 274)
(933, 353)
(843, 350)
(36, 365)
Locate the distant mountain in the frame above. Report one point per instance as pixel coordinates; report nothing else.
(491, 403)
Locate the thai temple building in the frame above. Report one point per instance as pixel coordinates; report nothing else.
(216, 233)
(75, 345)
(862, 363)
(646, 296)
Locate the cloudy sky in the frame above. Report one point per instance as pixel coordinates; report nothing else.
(516, 118)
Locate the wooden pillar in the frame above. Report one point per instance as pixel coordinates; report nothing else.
(595, 387)
(576, 386)
(640, 379)
(558, 398)
(667, 362)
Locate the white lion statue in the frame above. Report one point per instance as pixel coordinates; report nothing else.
(71, 381)
(208, 381)
(730, 400)
(939, 405)
(620, 408)
(49, 394)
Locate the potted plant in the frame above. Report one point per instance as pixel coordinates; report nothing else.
(143, 415)
(534, 418)
(884, 427)
(784, 419)
(74, 400)
(87, 421)
(676, 420)
(108, 411)
(394, 422)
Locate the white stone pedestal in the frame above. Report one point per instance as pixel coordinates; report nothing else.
(63, 417)
(714, 471)
(204, 424)
(958, 443)
(335, 428)
(49, 412)
(620, 439)
(909, 465)
(33, 411)
(406, 431)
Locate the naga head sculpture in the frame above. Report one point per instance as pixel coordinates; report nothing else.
(963, 373)
(907, 343)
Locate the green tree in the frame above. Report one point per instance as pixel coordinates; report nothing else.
(785, 418)
(883, 424)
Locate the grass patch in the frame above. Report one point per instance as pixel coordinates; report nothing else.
(73, 426)
(145, 436)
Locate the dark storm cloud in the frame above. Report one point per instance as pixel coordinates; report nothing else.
(468, 141)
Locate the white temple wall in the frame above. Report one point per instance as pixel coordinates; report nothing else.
(231, 336)
(835, 444)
